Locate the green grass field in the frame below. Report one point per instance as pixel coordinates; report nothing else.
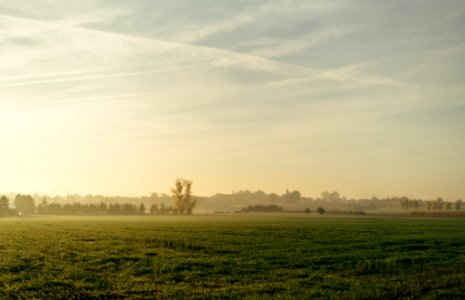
(256, 257)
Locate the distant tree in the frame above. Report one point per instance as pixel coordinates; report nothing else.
(404, 203)
(448, 205)
(182, 195)
(263, 208)
(458, 204)
(333, 197)
(162, 209)
(415, 204)
(389, 205)
(68, 209)
(307, 210)
(429, 205)
(325, 195)
(4, 205)
(54, 208)
(293, 196)
(273, 197)
(90, 208)
(259, 194)
(77, 208)
(42, 209)
(102, 207)
(114, 209)
(153, 209)
(142, 209)
(24, 204)
(438, 204)
(320, 210)
(129, 209)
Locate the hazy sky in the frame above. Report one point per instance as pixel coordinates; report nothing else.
(123, 97)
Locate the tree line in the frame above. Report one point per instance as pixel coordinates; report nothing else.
(333, 201)
(438, 204)
(182, 202)
(25, 205)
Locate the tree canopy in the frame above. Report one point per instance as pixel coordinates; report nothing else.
(182, 195)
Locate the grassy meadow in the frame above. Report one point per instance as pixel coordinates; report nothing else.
(245, 256)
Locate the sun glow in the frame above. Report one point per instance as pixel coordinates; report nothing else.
(255, 95)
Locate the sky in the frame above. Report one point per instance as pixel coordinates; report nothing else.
(121, 97)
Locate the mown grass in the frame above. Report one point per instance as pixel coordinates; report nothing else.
(251, 257)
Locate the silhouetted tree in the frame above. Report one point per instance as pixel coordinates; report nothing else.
(162, 209)
(273, 197)
(114, 209)
(4, 205)
(102, 208)
(43, 207)
(68, 209)
(429, 205)
(307, 210)
(458, 204)
(129, 209)
(404, 203)
(142, 209)
(415, 204)
(182, 194)
(389, 204)
(438, 204)
(320, 210)
(54, 208)
(333, 197)
(89, 209)
(293, 196)
(153, 209)
(24, 204)
(263, 208)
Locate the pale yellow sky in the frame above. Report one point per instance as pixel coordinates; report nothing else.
(123, 97)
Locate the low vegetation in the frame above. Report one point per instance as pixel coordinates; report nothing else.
(220, 257)
(262, 208)
(182, 201)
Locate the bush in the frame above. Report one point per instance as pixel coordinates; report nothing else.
(320, 210)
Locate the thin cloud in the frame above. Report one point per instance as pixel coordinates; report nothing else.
(84, 77)
(282, 48)
(79, 40)
(98, 16)
(281, 86)
(250, 14)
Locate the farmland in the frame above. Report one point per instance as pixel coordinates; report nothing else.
(243, 256)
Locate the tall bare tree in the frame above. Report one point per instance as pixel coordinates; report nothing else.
(182, 196)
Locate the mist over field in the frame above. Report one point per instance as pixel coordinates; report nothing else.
(216, 149)
(181, 201)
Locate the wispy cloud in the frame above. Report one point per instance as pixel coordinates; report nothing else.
(248, 16)
(72, 41)
(190, 36)
(102, 15)
(283, 47)
(18, 81)
(291, 87)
